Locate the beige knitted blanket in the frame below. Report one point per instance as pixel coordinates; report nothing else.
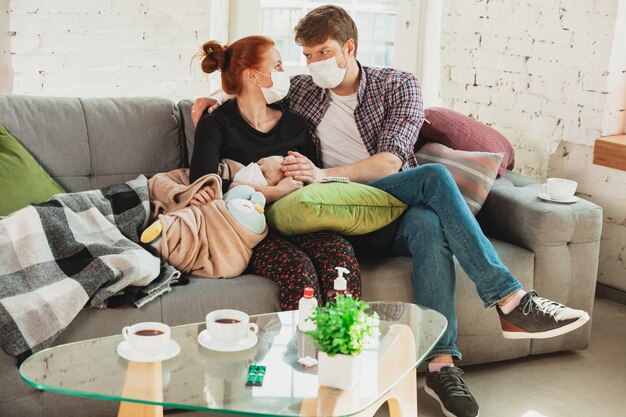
(206, 240)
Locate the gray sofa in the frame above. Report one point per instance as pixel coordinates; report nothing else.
(93, 142)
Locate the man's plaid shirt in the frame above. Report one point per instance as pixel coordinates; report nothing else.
(388, 116)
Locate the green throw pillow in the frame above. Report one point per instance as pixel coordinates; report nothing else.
(23, 180)
(350, 209)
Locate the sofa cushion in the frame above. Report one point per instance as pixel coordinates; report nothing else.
(473, 172)
(132, 136)
(87, 143)
(463, 133)
(23, 180)
(53, 130)
(350, 209)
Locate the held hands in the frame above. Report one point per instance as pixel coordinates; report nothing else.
(201, 104)
(300, 168)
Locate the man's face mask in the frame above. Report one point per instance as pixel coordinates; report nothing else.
(279, 88)
(327, 73)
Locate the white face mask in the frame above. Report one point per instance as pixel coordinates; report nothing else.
(279, 88)
(251, 174)
(327, 73)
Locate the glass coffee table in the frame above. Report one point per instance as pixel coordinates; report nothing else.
(202, 379)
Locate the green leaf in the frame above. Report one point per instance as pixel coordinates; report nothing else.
(342, 326)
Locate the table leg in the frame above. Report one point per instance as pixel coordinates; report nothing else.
(142, 381)
(396, 356)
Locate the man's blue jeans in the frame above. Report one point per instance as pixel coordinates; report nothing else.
(437, 225)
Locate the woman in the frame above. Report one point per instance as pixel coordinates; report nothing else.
(248, 128)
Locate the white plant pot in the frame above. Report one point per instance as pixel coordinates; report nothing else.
(339, 371)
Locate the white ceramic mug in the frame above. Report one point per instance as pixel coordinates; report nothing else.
(559, 188)
(229, 327)
(147, 338)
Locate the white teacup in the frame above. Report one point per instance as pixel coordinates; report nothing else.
(559, 188)
(229, 327)
(147, 338)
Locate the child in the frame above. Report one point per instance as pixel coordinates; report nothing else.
(214, 240)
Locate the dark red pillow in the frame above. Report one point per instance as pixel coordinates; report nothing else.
(463, 133)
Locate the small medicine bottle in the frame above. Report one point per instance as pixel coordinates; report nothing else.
(306, 305)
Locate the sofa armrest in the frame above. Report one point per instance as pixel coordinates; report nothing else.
(565, 240)
(513, 213)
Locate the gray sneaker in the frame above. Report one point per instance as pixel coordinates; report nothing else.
(540, 318)
(450, 391)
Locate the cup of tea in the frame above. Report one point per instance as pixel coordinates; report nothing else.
(229, 327)
(147, 338)
(559, 188)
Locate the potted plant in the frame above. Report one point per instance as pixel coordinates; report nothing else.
(343, 329)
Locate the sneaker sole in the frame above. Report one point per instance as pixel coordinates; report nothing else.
(548, 333)
(444, 410)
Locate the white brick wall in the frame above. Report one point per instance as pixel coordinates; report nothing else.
(111, 47)
(545, 59)
(6, 72)
(551, 77)
(614, 120)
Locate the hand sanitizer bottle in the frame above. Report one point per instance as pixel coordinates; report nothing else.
(306, 305)
(340, 285)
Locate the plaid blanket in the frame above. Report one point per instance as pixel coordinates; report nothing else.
(76, 250)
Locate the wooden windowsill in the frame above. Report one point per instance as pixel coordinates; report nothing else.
(610, 151)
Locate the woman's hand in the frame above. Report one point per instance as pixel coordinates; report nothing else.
(273, 193)
(203, 196)
(287, 186)
(300, 168)
(200, 105)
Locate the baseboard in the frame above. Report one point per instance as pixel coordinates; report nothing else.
(610, 293)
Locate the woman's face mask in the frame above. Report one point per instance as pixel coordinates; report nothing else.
(279, 88)
(327, 73)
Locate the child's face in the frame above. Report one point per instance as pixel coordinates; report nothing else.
(270, 167)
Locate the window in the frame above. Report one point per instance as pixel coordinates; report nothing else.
(388, 29)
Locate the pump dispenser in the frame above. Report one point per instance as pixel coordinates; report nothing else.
(340, 285)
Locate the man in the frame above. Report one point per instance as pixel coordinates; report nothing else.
(365, 122)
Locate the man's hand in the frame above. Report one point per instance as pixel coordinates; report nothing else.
(201, 104)
(299, 167)
(203, 196)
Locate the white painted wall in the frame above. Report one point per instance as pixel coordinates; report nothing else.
(112, 47)
(431, 59)
(541, 73)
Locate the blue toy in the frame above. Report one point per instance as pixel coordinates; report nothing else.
(247, 206)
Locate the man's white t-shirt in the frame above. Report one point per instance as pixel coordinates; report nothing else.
(340, 141)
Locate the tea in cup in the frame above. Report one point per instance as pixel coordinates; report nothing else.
(229, 327)
(147, 338)
(559, 188)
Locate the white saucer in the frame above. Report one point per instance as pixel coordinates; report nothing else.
(125, 350)
(546, 197)
(204, 338)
